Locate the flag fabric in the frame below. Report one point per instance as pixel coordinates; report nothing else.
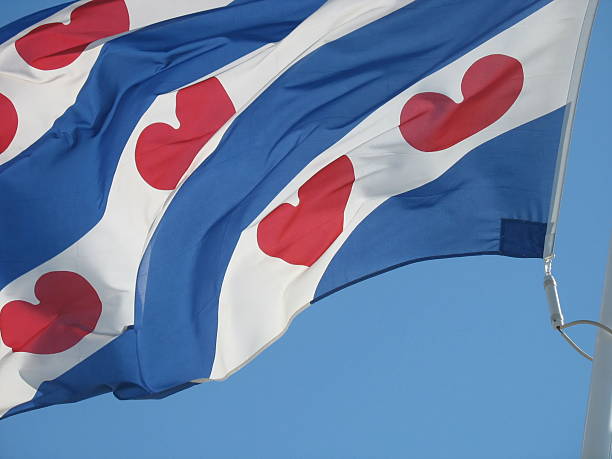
(179, 179)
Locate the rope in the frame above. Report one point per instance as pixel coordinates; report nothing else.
(582, 322)
(556, 312)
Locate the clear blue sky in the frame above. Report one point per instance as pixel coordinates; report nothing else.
(442, 359)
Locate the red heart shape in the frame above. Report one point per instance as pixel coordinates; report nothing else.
(432, 122)
(9, 118)
(163, 153)
(301, 234)
(69, 310)
(53, 46)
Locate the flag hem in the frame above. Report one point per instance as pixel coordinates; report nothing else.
(566, 135)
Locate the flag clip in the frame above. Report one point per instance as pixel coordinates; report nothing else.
(552, 295)
(556, 314)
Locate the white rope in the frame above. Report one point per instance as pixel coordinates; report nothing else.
(556, 312)
(581, 322)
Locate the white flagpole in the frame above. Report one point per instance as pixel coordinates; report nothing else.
(598, 428)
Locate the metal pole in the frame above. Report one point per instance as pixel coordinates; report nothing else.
(598, 429)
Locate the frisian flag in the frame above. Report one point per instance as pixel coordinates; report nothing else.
(190, 175)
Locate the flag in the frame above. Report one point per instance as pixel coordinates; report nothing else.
(179, 180)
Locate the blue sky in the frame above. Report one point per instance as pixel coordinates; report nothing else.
(442, 359)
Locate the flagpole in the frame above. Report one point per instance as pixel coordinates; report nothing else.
(598, 428)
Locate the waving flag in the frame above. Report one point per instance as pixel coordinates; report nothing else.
(178, 180)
